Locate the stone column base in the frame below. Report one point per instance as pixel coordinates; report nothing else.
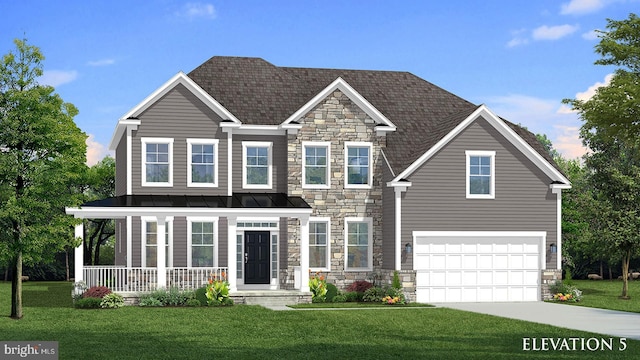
(549, 277)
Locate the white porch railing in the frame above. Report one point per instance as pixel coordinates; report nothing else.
(122, 279)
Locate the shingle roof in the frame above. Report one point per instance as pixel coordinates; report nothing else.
(258, 92)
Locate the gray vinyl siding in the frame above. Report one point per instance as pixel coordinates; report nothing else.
(280, 176)
(121, 166)
(121, 243)
(136, 242)
(180, 241)
(179, 115)
(436, 201)
(223, 243)
(388, 221)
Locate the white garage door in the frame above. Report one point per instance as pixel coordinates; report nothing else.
(478, 266)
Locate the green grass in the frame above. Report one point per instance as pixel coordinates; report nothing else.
(250, 332)
(352, 305)
(605, 294)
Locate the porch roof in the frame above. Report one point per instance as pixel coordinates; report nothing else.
(239, 204)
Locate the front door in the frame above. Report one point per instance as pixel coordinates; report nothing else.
(256, 257)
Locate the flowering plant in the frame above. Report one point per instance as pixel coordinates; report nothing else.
(574, 296)
(218, 290)
(392, 300)
(318, 287)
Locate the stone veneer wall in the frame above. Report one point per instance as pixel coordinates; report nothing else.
(337, 120)
(549, 277)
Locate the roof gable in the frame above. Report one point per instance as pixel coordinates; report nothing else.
(179, 79)
(505, 130)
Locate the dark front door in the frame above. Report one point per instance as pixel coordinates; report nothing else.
(256, 257)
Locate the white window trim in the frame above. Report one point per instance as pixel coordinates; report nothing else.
(347, 145)
(143, 239)
(326, 220)
(143, 160)
(325, 144)
(369, 222)
(492, 186)
(268, 145)
(190, 221)
(213, 142)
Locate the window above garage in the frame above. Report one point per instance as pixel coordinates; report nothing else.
(480, 174)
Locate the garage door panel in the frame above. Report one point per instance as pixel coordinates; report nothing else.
(477, 268)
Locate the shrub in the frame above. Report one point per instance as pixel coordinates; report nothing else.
(175, 297)
(96, 292)
(332, 291)
(396, 284)
(88, 303)
(318, 288)
(353, 296)
(340, 298)
(150, 302)
(563, 291)
(374, 294)
(112, 301)
(359, 286)
(201, 295)
(193, 302)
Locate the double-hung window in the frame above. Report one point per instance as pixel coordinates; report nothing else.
(150, 244)
(480, 174)
(357, 165)
(256, 165)
(201, 238)
(315, 169)
(202, 169)
(157, 161)
(359, 243)
(319, 235)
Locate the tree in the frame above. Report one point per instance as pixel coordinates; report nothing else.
(611, 129)
(548, 146)
(614, 110)
(42, 156)
(100, 183)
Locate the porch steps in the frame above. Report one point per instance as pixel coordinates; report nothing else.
(270, 297)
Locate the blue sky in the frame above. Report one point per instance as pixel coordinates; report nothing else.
(521, 58)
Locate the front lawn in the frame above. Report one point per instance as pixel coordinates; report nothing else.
(605, 294)
(251, 332)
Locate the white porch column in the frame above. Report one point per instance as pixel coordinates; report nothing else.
(398, 227)
(79, 253)
(304, 254)
(161, 251)
(232, 269)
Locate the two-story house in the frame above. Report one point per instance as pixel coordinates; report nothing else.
(268, 173)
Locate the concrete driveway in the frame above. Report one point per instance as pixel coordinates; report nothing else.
(600, 321)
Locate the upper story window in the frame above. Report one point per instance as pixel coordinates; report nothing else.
(480, 174)
(256, 165)
(202, 158)
(358, 165)
(157, 161)
(315, 169)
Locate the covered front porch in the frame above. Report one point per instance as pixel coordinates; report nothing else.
(246, 231)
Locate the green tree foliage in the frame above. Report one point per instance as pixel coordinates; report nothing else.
(42, 156)
(100, 183)
(611, 129)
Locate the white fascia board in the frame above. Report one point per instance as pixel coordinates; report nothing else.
(352, 94)
(246, 129)
(121, 212)
(386, 161)
(121, 127)
(179, 78)
(503, 129)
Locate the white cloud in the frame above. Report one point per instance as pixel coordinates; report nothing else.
(193, 11)
(101, 62)
(579, 7)
(545, 32)
(568, 142)
(587, 94)
(518, 38)
(95, 150)
(590, 35)
(57, 77)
